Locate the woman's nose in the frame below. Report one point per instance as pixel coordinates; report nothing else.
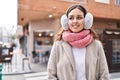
(75, 20)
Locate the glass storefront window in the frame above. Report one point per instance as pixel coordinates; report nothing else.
(116, 52)
(117, 2)
(43, 41)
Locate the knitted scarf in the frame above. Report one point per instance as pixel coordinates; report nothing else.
(79, 40)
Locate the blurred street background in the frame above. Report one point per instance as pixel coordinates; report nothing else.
(28, 28)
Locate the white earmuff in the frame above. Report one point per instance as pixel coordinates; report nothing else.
(88, 21)
(64, 22)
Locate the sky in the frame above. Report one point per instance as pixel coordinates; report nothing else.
(8, 14)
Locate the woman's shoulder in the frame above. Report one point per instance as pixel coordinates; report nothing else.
(59, 42)
(97, 42)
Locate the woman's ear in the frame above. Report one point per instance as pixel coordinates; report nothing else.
(88, 21)
(64, 22)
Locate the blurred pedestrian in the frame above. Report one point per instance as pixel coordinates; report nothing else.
(11, 48)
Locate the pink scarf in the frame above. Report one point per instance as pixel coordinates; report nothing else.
(79, 40)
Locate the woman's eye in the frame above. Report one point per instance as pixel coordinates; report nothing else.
(79, 17)
(71, 18)
(75, 17)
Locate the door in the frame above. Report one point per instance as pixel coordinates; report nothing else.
(112, 52)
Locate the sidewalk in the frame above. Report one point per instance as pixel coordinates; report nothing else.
(35, 68)
(43, 76)
(115, 76)
(17, 72)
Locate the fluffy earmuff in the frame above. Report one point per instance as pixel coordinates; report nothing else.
(64, 22)
(88, 21)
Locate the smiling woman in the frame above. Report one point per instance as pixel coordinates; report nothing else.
(77, 54)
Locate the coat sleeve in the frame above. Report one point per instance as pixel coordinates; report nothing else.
(103, 67)
(52, 64)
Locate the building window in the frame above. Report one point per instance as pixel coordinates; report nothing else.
(103, 1)
(81, 1)
(117, 2)
(118, 25)
(116, 51)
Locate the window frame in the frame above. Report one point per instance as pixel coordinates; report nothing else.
(117, 2)
(103, 1)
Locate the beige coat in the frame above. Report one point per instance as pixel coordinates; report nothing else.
(61, 65)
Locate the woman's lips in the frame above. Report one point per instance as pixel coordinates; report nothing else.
(75, 26)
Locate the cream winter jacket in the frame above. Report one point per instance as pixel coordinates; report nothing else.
(61, 64)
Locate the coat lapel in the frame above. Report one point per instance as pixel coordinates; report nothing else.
(88, 59)
(87, 63)
(68, 52)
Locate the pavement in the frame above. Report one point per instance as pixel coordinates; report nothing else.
(31, 70)
(115, 76)
(39, 72)
(21, 65)
(35, 68)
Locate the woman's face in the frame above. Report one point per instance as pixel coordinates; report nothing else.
(76, 20)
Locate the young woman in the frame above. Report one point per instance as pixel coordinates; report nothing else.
(77, 54)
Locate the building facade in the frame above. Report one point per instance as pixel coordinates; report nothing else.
(43, 16)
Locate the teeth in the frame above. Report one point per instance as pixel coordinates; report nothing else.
(75, 26)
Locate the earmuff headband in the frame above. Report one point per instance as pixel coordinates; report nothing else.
(88, 21)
